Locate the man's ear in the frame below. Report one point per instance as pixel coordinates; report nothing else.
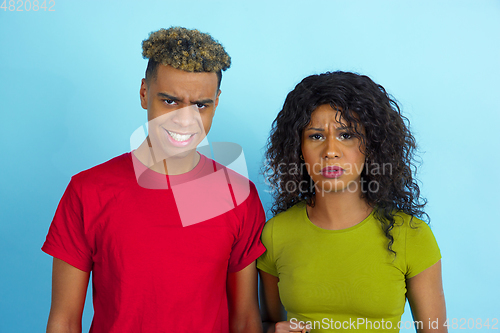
(217, 99)
(143, 93)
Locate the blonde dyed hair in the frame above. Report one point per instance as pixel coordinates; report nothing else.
(188, 50)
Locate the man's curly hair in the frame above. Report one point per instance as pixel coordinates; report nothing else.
(387, 141)
(188, 50)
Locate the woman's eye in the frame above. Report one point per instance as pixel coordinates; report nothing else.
(316, 136)
(345, 136)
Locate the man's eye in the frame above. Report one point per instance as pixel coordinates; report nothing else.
(201, 106)
(169, 101)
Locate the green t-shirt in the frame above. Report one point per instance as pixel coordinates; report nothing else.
(345, 279)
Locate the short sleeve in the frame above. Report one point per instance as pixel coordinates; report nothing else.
(248, 247)
(422, 250)
(266, 261)
(66, 237)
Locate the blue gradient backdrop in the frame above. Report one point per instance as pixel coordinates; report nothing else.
(69, 83)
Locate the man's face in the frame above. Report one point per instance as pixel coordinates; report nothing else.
(181, 106)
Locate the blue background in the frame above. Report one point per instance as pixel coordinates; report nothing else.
(69, 83)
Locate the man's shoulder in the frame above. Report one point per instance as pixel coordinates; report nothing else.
(115, 168)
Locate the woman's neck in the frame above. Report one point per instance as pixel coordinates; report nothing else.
(338, 210)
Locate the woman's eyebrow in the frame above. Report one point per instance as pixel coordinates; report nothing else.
(343, 127)
(322, 129)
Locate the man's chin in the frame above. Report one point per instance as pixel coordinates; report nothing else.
(178, 154)
(181, 155)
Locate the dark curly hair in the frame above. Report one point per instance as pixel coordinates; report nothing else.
(387, 141)
(185, 49)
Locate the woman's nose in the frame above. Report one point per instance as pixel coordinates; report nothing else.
(332, 148)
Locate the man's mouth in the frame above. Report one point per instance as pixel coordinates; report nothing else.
(179, 137)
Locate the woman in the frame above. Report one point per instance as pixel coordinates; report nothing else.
(346, 247)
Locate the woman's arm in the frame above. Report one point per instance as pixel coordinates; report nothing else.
(426, 297)
(271, 310)
(69, 289)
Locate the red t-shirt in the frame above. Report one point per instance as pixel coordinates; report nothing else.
(159, 247)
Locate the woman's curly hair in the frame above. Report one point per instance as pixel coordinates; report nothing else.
(387, 140)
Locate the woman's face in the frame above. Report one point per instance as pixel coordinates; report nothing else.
(333, 155)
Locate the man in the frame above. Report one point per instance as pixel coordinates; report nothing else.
(170, 236)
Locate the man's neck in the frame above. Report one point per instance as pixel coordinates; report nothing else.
(174, 165)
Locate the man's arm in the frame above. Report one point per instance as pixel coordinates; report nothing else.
(69, 288)
(242, 301)
(426, 297)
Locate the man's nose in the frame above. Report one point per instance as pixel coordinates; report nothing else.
(186, 116)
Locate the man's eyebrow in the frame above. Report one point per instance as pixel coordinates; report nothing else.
(177, 99)
(204, 101)
(167, 96)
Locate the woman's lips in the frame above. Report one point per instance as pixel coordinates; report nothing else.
(332, 171)
(178, 139)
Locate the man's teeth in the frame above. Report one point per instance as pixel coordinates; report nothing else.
(179, 137)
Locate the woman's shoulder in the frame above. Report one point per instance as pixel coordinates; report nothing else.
(410, 226)
(415, 243)
(284, 226)
(293, 213)
(287, 220)
(403, 219)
